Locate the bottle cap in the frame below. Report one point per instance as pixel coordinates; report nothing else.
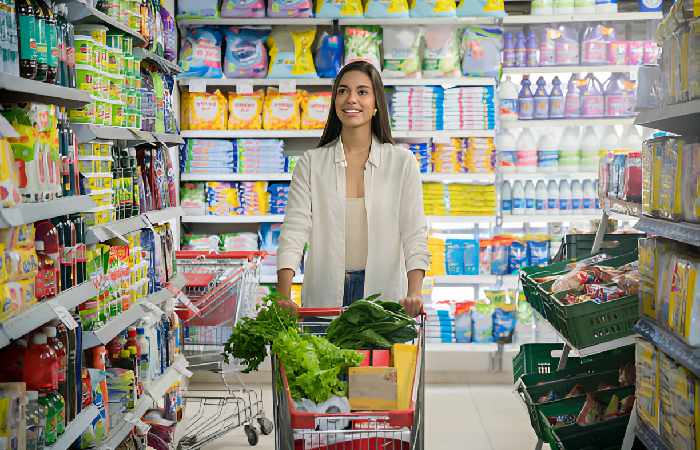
(50, 331)
(39, 339)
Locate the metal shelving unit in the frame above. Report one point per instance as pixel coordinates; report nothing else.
(166, 65)
(18, 89)
(599, 17)
(79, 11)
(649, 437)
(88, 133)
(199, 83)
(682, 118)
(75, 428)
(568, 69)
(670, 344)
(677, 231)
(579, 122)
(507, 281)
(284, 134)
(117, 229)
(32, 212)
(233, 219)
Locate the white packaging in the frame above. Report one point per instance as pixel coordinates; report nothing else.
(518, 198)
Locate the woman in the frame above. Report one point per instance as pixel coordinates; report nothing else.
(357, 200)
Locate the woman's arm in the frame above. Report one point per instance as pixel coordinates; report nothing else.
(296, 227)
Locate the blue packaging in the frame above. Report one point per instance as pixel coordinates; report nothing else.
(246, 55)
(433, 8)
(471, 257)
(499, 261)
(481, 8)
(537, 253)
(482, 323)
(200, 55)
(454, 256)
(329, 55)
(383, 9)
(463, 323)
(517, 256)
(503, 324)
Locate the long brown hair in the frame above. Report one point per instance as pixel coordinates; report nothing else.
(380, 121)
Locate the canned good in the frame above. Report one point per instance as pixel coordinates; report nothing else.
(111, 60)
(98, 32)
(85, 78)
(83, 49)
(118, 115)
(86, 114)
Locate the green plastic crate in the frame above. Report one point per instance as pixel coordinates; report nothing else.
(577, 246)
(604, 435)
(535, 359)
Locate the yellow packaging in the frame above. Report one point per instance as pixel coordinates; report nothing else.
(295, 61)
(207, 111)
(647, 384)
(22, 264)
(19, 237)
(404, 357)
(245, 110)
(9, 182)
(338, 8)
(281, 111)
(315, 107)
(683, 41)
(372, 388)
(185, 110)
(679, 400)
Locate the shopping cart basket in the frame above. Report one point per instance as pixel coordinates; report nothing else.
(222, 288)
(374, 430)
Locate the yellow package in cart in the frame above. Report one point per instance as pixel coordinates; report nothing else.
(245, 110)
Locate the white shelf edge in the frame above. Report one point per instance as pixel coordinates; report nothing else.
(163, 215)
(509, 281)
(32, 212)
(233, 219)
(569, 69)
(236, 177)
(84, 13)
(300, 134)
(15, 88)
(568, 122)
(544, 217)
(468, 347)
(681, 118)
(560, 174)
(456, 81)
(75, 428)
(188, 22)
(461, 219)
(459, 177)
(604, 17)
(105, 232)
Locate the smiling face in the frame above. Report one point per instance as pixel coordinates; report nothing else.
(354, 100)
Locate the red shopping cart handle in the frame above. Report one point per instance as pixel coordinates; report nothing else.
(319, 312)
(209, 254)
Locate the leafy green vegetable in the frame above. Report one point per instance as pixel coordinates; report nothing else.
(370, 324)
(251, 335)
(313, 365)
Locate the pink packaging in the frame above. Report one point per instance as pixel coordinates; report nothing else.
(651, 52)
(635, 52)
(617, 52)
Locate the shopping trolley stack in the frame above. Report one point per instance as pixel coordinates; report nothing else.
(222, 288)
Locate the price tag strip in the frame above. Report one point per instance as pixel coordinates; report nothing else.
(137, 422)
(179, 295)
(197, 85)
(64, 315)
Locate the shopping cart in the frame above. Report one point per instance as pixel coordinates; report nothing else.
(375, 430)
(222, 288)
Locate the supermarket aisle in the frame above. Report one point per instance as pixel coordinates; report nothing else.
(469, 417)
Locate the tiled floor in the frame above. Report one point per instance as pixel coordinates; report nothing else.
(470, 417)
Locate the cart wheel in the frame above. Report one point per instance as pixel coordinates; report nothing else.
(252, 434)
(266, 425)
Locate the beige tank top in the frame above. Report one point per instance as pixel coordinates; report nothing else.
(355, 234)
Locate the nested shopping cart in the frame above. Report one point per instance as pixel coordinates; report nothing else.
(374, 430)
(222, 288)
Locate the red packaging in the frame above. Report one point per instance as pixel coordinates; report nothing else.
(365, 354)
(381, 358)
(651, 53)
(635, 52)
(633, 178)
(617, 52)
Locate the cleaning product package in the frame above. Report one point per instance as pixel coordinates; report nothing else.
(200, 53)
(433, 8)
(482, 51)
(384, 9)
(362, 43)
(441, 52)
(338, 8)
(246, 55)
(401, 51)
(197, 8)
(289, 8)
(329, 55)
(481, 8)
(290, 52)
(243, 8)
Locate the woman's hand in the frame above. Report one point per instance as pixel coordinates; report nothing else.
(413, 304)
(290, 305)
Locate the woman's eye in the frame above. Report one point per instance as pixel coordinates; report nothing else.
(341, 91)
(363, 92)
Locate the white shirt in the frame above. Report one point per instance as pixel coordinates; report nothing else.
(397, 230)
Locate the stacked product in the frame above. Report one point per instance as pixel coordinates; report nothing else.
(261, 156)
(470, 108)
(279, 193)
(479, 155)
(436, 247)
(235, 198)
(490, 320)
(417, 108)
(422, 153)
(566, 197)
(208, 156)
(434, 199)
(439, 323)
(225, 242)
(448, 157)
(471, 199)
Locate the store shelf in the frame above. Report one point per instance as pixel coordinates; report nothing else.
(166, 65)
(567, 122)
(560, 174)
(32, 212)
(682, 118)
(459, 177)
(86, 132)
(569, 69)
(400, 134)
(441, 134)
(137, 311)
(44, 312)
(678, 231)
(545, 217)
(649, 437)
(460, 347)
(168, 139)
(445, 82)
(598, 348)
(80, 12)
(101, 233)
(272, 279)
(599, 17)
(233, 219)
(75, 428)
(461, 219)
(236, 177)
(157, 388)
(670, 344)
(414, 21)
(622, 210)
(18, 89)
(262, 21)
(508, 281)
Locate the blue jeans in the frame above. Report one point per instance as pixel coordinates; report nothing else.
(354, 287)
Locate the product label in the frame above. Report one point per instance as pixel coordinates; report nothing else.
(42, 56)
(575, 203)
(508, 108)
(615, 105)
(531, 55)
(593, 106)
(517, 203)
(525, 108)
(27, 34)
(539, 205)
(506, 205)
(541, 108)
(595, 52)
(563, 204)
(520, 57)
(509, 57)
(556, 107)
(529, 203)
(245, 108)
(547, 53)
(587, 203)
(566, 52)
(572, 106)
(551, 203)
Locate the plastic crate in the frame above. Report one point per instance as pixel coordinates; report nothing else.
(578, 246)
(536, 359)
(604, 435)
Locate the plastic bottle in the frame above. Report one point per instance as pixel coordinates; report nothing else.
(506, 150)
(572, 101)
(552, 196)
(529, 197)
(50, 432)
(615, 98)
(564, 197)
(567, 46)
(609, 141)
(26, 25)
(584, 6)
(595, 44)
(59, 404)
(541, 100)
(520, 50)
(40, 369)
(526, 152)
(548, 46)
(540, 196)
(563, 7)
(508, 100)
(145, 349)
(547, 153)
(605, 6)
(42, 56)
(556, 100)
(592, 100)
(542, 8)
(506, 198)
(525, 100)
(576, 196)
(588, 195)
(569, 147)
(531, 50)
(629, 91)
(508, 50)
(597, 197)
(630, 140)
(518, 198)
(52, 55)
(55, 343)
(590, 144)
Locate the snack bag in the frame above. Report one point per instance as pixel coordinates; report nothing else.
(401, 51)
(9, 183)
(482, 51)
(243, 8)
(185, 110)
(381, 9)
(338, 8)
(289, 8)
(200, 54)
(246, 55)
(290, 52)
(463, 321)
(329, 55)
(591, 411)
(315, 107)
(433, 8)
(207, 111)
(441, 53)
(504, 321)
(481, 8)
(281, 111)
(245, 110)
(197, 8)
(362, 43)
